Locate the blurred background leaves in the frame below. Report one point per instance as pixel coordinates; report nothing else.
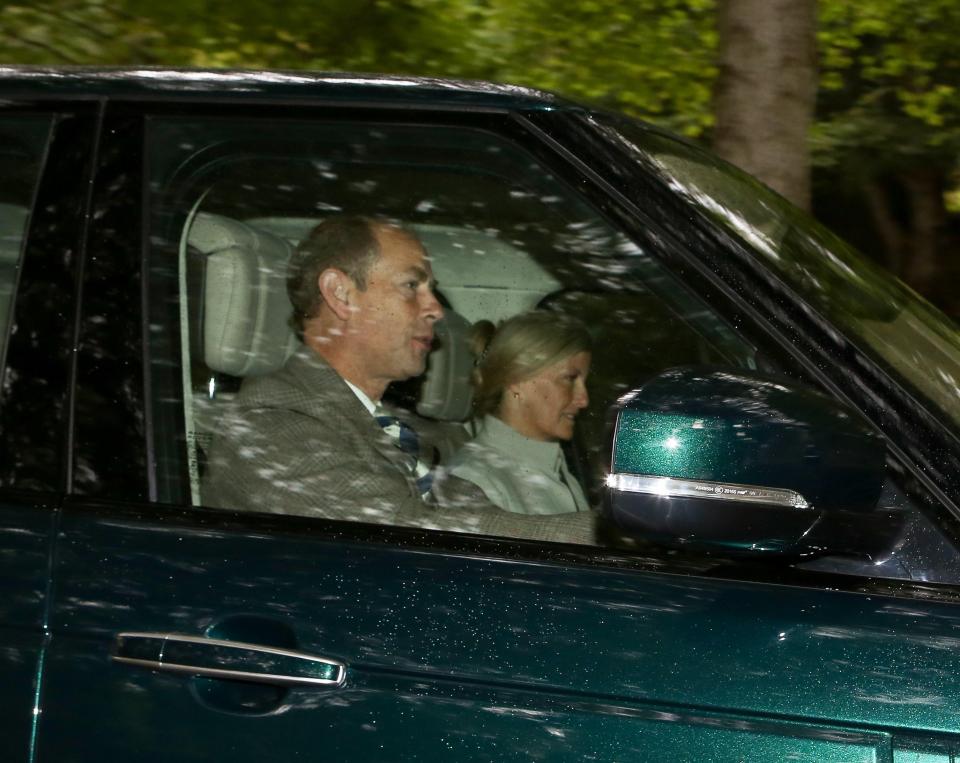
(885, 137)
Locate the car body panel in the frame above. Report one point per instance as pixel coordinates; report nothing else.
(465, 649)
(473, 654)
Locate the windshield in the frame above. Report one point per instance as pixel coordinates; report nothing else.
(914, 340)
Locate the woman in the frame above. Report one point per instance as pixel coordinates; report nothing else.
(529, 386)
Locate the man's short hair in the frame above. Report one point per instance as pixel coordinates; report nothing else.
(347, 243)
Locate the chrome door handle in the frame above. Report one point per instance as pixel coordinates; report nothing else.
(198, 656)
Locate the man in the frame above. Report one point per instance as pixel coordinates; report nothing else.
(306, 439)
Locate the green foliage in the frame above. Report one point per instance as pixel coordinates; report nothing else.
(74, 32)
(890, 73)
(652, 58)
(890, 76)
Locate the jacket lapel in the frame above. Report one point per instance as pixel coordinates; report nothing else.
(326, 394)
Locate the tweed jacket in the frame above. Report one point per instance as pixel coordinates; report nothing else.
(299, 441)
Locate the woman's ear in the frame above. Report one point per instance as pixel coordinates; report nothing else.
(512, 409)
(336, 288)
(512, 395)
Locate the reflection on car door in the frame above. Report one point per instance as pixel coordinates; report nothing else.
(469, 655)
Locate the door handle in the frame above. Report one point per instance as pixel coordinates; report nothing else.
(215, 658)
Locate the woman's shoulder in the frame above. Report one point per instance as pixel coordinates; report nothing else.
(478, 465)
(478, 458)
(486, 450)
(482, 462)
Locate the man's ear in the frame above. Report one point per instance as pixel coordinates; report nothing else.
(337, 289)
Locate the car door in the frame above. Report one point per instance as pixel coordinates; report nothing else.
(40, 225)
(182, 631)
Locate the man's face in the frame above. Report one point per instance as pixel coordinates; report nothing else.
(391, 329)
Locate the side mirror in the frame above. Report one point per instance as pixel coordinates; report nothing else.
(748, 463)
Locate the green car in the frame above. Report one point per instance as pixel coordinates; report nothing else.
(770, 452)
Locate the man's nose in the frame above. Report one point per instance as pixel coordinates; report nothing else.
(431, 307)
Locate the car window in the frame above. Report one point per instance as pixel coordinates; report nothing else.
(503, 234)
(229, 203)
(22, 144)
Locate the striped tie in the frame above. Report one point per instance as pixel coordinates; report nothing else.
(405, 438)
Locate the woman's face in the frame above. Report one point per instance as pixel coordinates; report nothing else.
(545, 406)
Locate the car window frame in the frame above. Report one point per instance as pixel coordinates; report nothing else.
(129, 116)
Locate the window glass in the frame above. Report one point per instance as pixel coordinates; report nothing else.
(240, 415)
(914, 340)
(504, 236)
(22, 144)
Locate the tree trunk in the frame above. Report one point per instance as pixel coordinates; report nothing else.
(766, 91)
(891, 233)
(927, 217)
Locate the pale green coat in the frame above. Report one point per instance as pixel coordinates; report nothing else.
(518, 474)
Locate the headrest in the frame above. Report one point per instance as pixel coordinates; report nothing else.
(246, 308)
(13, 219)
(446, 393)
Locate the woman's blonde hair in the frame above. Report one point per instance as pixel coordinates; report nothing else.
(519, 349)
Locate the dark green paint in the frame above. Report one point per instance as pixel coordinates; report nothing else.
(471, 656)
(749, 429)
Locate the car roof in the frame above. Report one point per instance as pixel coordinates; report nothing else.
(128, 83)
